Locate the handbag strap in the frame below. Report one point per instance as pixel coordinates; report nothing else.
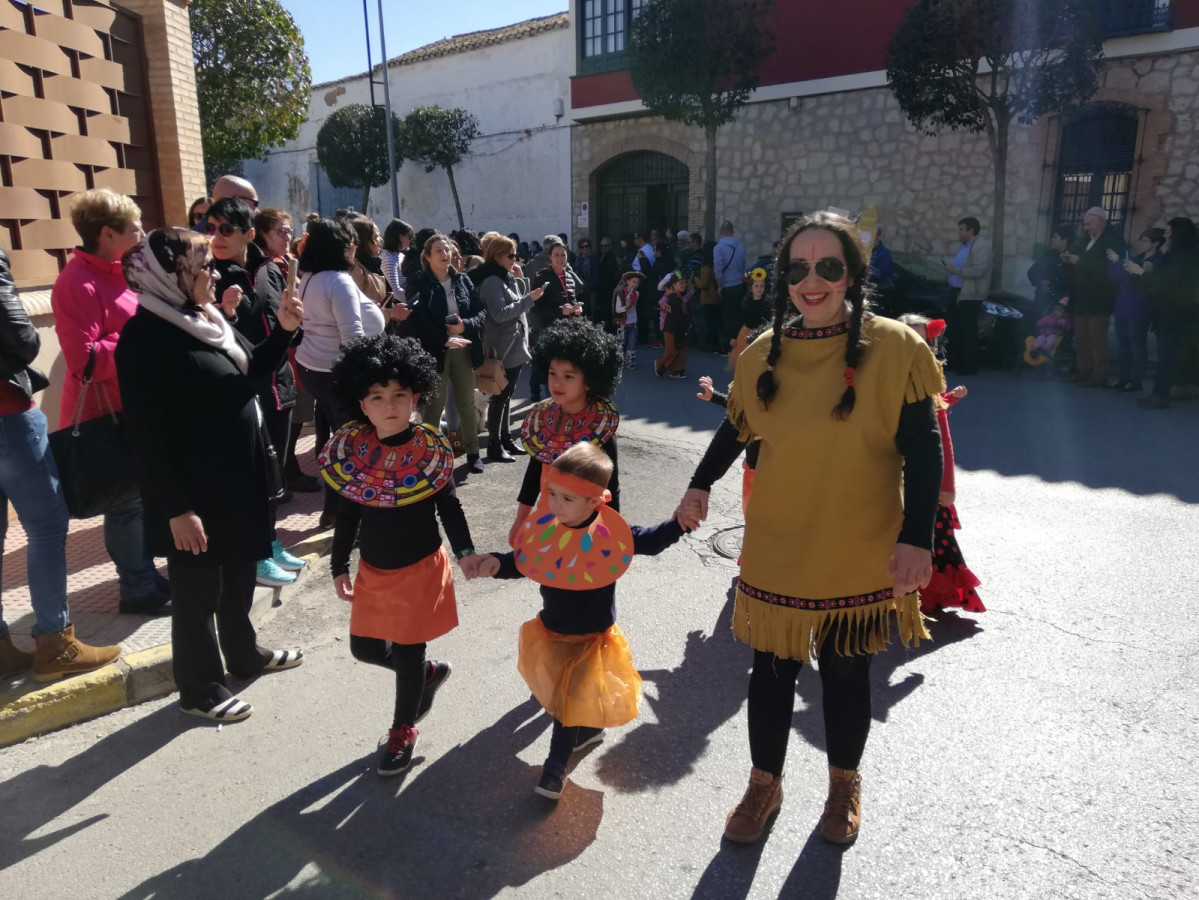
(81, 400)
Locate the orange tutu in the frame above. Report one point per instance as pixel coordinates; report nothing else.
(580, 679)
(412, 605)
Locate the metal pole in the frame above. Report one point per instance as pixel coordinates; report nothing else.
(366, 20)
(391, 144)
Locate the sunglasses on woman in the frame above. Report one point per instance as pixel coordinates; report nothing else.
(224, 229)
(829, 268)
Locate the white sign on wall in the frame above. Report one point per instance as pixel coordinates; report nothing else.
(584, 220)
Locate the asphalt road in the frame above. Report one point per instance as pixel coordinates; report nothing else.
(1043, 749)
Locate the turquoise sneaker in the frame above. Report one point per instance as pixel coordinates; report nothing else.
(285, 560)
(270, 575)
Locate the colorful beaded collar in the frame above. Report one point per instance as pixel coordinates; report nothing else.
(360, 467)
(548, 432)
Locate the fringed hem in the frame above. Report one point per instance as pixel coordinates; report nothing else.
(736, 416)
(799, 633)
(925, 379)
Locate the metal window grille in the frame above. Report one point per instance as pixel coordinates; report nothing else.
(1125, 17)
(1095, 165)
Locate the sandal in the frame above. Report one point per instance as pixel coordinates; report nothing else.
(231, 709)
(283, 659)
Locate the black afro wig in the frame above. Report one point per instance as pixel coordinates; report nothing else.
(367, 361)
(588, 348)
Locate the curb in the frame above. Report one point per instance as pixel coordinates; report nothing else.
(130, 679)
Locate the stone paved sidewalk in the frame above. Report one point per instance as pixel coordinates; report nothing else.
(92, 579)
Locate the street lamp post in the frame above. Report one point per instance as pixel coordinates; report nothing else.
(391, 145)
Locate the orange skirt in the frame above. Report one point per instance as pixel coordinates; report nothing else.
(580, 679)
(412, 605)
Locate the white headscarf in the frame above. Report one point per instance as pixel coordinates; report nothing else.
(164, 287)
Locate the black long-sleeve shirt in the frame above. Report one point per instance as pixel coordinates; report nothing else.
(398, 536)
(530, 488)
(918, 439)
(591, 611)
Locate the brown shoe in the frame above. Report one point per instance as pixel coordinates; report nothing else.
(843, 809)
(762, 799)
(59, 655)
(13, 660)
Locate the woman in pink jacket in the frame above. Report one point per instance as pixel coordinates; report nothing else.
(92, 303)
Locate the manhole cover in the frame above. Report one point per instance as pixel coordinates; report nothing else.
(728, 542)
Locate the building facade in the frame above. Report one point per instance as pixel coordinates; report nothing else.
(515, 80)
(92, 94)
(823, 129)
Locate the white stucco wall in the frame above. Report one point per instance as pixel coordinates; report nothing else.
(518, 177)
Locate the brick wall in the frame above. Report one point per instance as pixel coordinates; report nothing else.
(176, 115)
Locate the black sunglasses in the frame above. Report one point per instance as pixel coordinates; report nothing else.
(511, 256)
(225, 229)
(829, 268)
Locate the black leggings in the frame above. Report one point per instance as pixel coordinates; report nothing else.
(407, 661)
(846, 700)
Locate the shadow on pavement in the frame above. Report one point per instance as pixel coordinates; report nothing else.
(38, 796)
(730, 874)
(706, 690)
(469, 825)
(1060, 432)
(946, 628)
(816, 875)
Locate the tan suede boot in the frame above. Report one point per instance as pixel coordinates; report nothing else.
(763, 797)
(843, 809)
(13, 660)
(59, 655)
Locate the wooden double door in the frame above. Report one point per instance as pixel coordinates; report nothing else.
(640, 191)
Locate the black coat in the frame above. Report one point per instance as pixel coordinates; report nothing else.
(19, 341)
(430, 307)
(257, 315)
(606, 282)
(548, 309)
(1092, 293)
(192, 426)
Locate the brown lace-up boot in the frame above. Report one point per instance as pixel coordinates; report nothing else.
(13, 660)
(59, 655)
(762, 799)
(843, 809)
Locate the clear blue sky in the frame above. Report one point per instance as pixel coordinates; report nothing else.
(335, 39)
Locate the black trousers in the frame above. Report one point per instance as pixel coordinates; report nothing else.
(200, 589)
(499, 409)
(730, 314)
(408, 663)
(963, 335)
(845, 681)
(278, 429)
(330, 415)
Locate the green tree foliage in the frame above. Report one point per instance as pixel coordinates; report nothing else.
(697, 62)
(352, 148)
(252, 79)
(440, 139)
(982, 65)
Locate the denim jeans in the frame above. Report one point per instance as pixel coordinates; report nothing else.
(29, 478)
(125, 541)
(1132, 338)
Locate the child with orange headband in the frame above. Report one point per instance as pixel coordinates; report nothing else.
(573, 656)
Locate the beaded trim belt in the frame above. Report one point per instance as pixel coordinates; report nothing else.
(814, 605)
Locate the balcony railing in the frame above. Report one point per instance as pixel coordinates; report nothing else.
(1120, 18)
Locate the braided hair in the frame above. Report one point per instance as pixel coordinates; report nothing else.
(857, 268)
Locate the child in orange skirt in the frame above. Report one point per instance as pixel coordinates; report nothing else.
(573, 657)
(393, 477)
(952, 584)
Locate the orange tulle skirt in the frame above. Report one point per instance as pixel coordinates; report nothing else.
(412, 605)
(580, 679)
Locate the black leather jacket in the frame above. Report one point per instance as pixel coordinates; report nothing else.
(19, 341)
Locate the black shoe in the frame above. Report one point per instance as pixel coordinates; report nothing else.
(510, 445)
(587, 737)
(157, 603)
(397, 755)
(496, 453)
(1116, 386)
(474, 464)
(1131, 387)
(550, 785)
(302, 484)
(439, 672)
(659, 371)
(284, 496)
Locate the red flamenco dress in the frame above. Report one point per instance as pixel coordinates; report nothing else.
(952, 584)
